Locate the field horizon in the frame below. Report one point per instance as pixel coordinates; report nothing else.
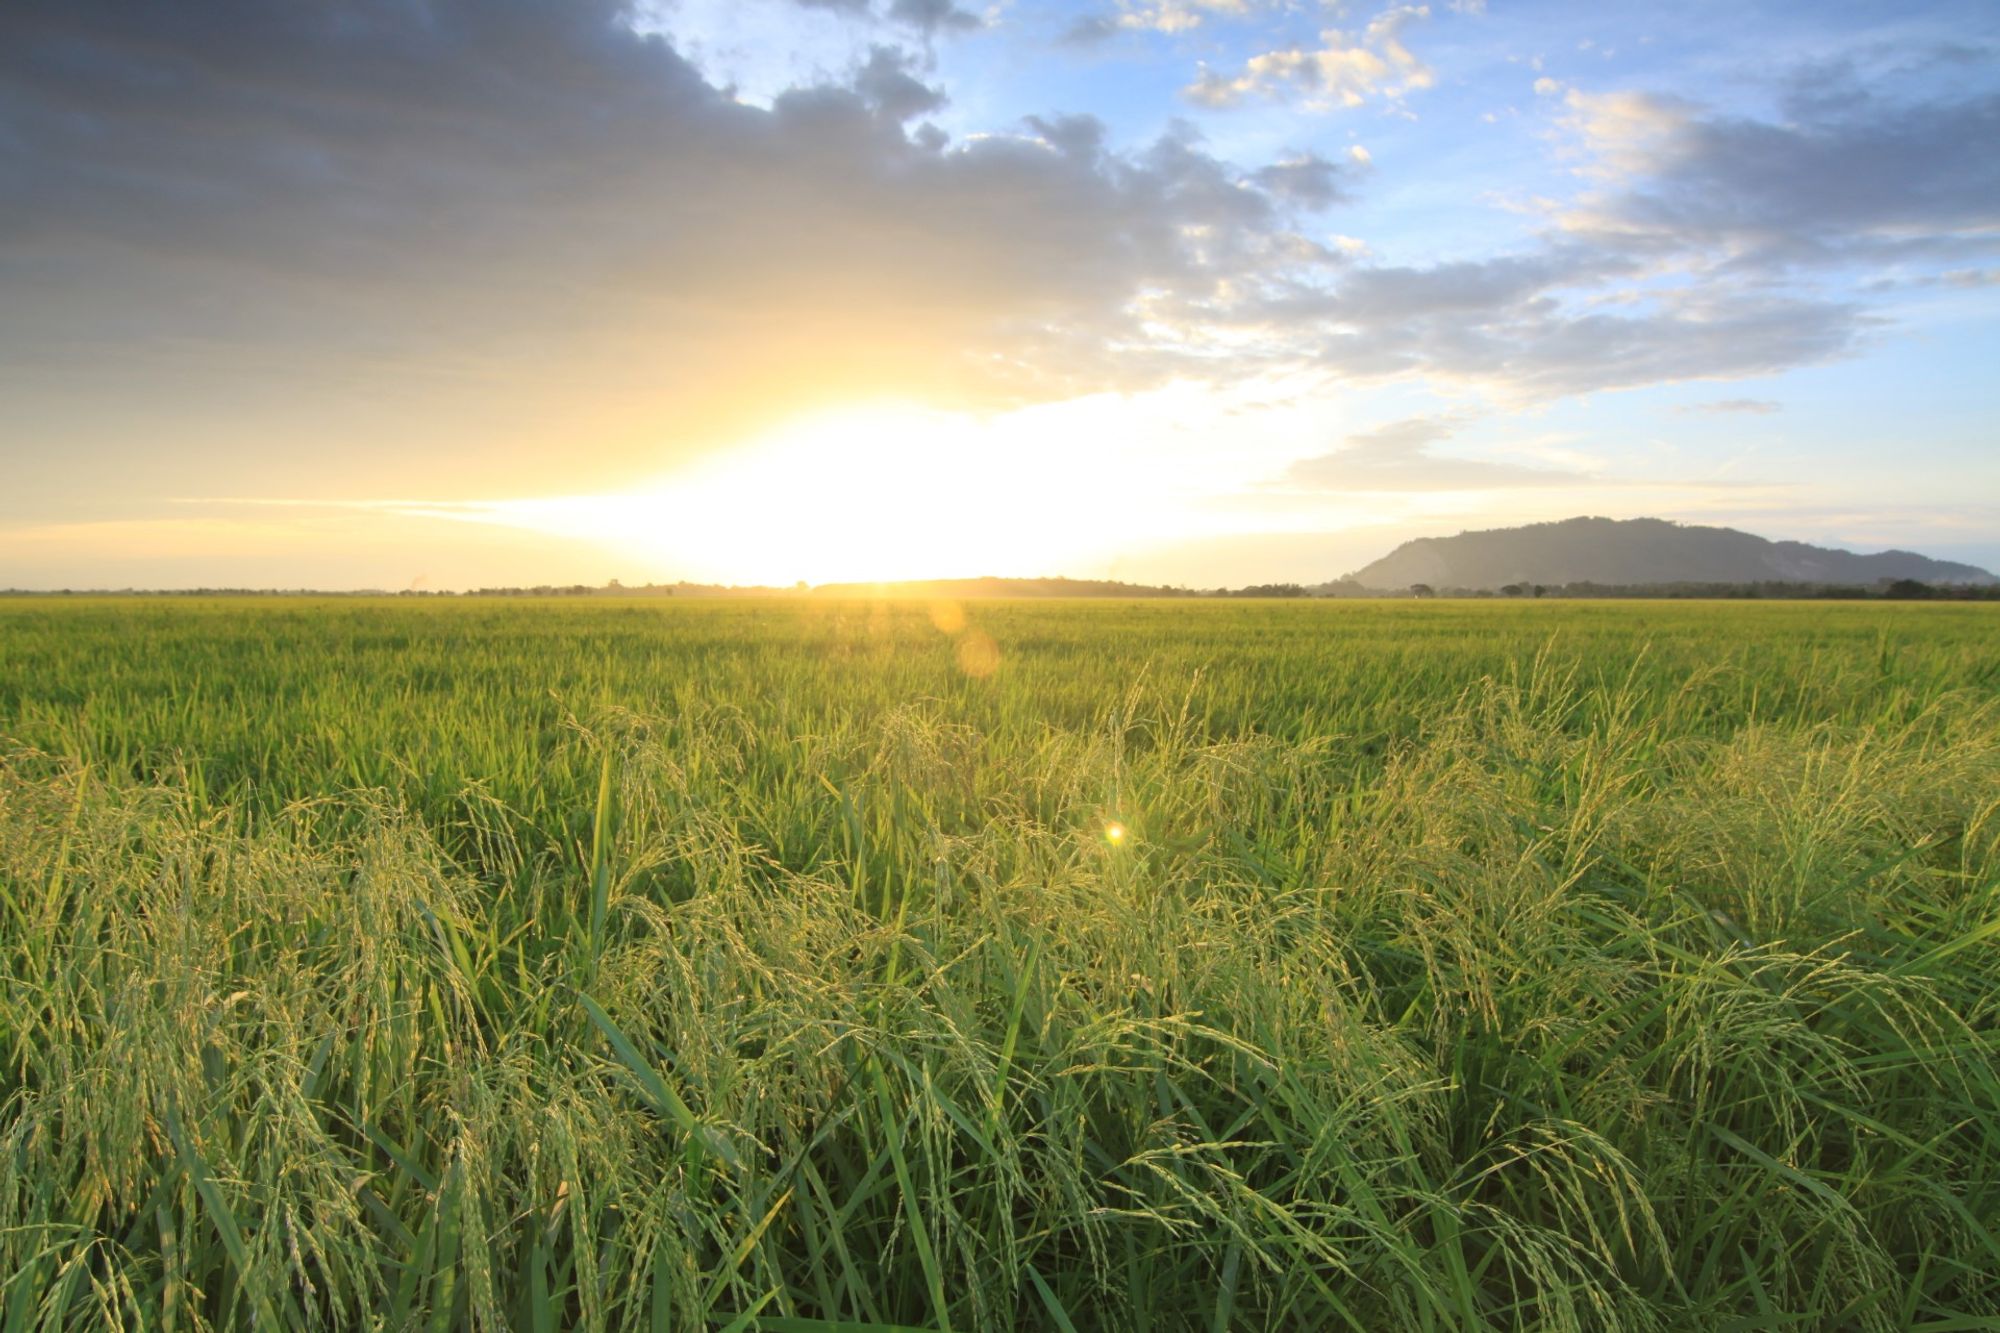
(1603, 557)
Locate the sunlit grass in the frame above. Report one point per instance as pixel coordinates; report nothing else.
(1194, 966)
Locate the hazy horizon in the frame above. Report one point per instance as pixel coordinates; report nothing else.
(1200, 292)
(913, 582)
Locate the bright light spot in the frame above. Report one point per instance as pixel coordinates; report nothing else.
(1114, 832)
(949, 617)
(978, 655)
(887, 492)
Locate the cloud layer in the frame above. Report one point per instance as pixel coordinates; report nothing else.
(1843, 178)
(531, 220)
(500, 192)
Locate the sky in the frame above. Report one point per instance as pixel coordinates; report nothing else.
(466, 293)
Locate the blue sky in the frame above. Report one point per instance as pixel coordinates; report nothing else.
(1203, 291)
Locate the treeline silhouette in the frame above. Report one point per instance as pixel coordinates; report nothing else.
(1897, 590)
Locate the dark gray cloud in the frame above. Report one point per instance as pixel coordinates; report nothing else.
(933, 15)
(1308, 180)
(887, 81)
(1846, 178)
(1568, 319)
(1398, 457)
(1699, 252)
(1544, 349)
(1509, 283)
(1080, 137)
(926, 16)
(469, 194)
(1696, 255)
(1090, 30)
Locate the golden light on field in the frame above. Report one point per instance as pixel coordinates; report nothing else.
(1114, 832)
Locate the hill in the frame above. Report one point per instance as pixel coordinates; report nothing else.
(1642, 551)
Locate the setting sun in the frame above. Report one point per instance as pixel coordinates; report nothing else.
(865, 494)
(886, 492)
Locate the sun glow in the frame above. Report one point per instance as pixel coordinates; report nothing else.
(866, 494)
(890, 492)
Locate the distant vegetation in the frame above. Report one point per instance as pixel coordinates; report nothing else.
(1897, 590)
(1579, 557)
(816, 965)
(998, 587)
(1267, 590)
(953, 590)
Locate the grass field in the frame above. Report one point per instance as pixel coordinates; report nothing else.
(1092, 965)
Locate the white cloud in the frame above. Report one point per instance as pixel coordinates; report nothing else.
(1625, 133)
(1176, 16)
(1345, 70)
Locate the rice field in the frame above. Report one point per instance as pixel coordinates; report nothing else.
(814, 966)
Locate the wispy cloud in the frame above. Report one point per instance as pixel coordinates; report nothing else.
(1732, 407)
(1398, 457)
(1172, 16)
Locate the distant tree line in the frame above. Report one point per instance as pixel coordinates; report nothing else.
(1898, 590)
(612, 589)
(1267, 590)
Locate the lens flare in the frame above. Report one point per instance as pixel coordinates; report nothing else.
(948, 616)
(978, 655)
